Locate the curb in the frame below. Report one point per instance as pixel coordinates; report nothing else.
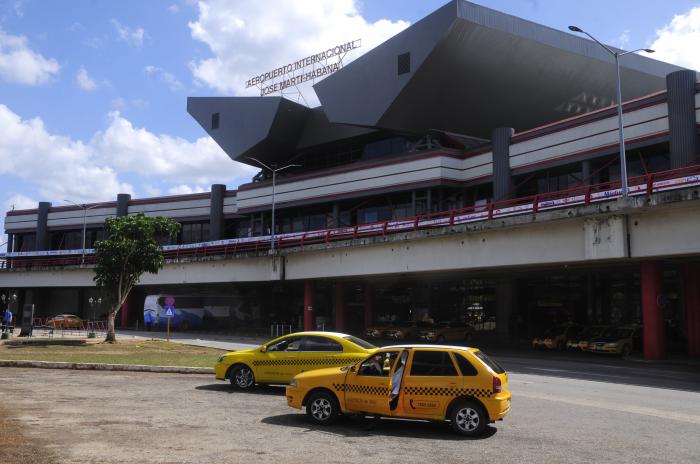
(106, 367)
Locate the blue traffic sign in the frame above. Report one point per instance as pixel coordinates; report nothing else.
(169, 311)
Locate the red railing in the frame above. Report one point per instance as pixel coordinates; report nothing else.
(583, 195)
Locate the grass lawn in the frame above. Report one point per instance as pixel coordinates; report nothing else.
(154, 353)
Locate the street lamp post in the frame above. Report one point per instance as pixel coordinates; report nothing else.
(274, 170)
(617, 55)
(85, 209)
(93, 302)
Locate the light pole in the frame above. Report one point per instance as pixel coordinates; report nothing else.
(85, 209)
(617, 55)
(274, 170)
(93, 302)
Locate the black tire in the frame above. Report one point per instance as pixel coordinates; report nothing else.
(468, 418)
(242, 377)
(322, 408)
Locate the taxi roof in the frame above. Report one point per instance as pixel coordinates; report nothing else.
(448, 347)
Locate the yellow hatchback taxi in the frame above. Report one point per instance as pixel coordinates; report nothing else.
(279, 360)
(428, 382)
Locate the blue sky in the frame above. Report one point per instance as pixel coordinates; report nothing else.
(93, 93)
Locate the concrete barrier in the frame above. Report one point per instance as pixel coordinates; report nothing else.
(106, 367)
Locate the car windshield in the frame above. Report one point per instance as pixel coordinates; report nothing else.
(617, 333)
(359, 342)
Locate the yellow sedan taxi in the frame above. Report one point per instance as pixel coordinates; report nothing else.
(279, 360)
(426, 382)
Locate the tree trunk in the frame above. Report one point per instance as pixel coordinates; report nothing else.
(111, 337)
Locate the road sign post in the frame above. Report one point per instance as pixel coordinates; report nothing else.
(169, 312)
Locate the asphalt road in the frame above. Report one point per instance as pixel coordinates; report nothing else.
(106, 417)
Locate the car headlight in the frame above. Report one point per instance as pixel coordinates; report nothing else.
(611, 345)
(293, 383)
(221, 358)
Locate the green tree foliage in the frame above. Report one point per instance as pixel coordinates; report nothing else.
(131, 250)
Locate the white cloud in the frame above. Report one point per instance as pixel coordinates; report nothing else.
(167, 158)
(174, 8)
(57, 167)
(248, 37)
(183, 189)
(679, 41)
(22, 65)
(84, 80)
(131, 36)
(623, 40)
(173, 83)
(19, 201)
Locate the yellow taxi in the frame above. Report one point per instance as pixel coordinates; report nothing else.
(425, 382)
(618, 340)
(582, 340)
(556, 337)
(443, 331)
(279, 360)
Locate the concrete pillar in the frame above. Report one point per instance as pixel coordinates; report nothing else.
(123, 204)
(42, 234)
(125, 314)
(216, 212)
(691, 274)
(500, 143)
(369, 304)
(340, 316)
(652, 313)
(505, 297)
(309, 320)
(680, 86)
(10, 242)
(586, 173)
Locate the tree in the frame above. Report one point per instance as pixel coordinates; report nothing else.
(130, 250)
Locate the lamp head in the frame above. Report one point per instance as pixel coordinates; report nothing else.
(575, 29)
(649, 50)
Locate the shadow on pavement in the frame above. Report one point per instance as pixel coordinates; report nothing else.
(272, 390)
(354, 426)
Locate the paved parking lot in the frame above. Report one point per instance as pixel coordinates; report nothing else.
(106, 417)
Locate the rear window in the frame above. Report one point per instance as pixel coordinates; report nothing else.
(493, 365)
(359, 342)
(464, 365)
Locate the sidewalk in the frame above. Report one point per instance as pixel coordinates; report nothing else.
(223, 342)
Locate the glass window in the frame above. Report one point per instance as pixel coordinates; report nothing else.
(464, 365)
(288, 344)
(493, 365)
(379, 364)
(320, 344)
(432, 363)
(359, 342)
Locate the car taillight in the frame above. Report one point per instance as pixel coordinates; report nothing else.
(496, 385)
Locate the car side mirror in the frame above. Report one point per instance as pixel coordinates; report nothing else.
(263, 349)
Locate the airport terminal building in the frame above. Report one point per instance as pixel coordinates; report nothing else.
(467, 169)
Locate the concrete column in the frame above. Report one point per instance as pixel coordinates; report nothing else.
(680, 86)
(652, 313)
(123, 204)
(586, 172)
(340, 322)
(505, 297)
(216, 212)
(500, 143)
(125, 314)
(691, 274)
(10, 242)
(369, 304)
(309, 320)
(42, 234)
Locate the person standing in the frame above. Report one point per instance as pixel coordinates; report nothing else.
(6, 320)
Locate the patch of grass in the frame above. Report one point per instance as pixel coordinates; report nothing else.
(147, 352)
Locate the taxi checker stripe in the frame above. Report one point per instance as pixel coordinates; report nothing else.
(303, 362)
(447, 391)
(362, 389)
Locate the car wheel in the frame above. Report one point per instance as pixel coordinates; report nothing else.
(441, 339)
(626, 350)
(242, 377)
(322, 408)
(468, 418)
